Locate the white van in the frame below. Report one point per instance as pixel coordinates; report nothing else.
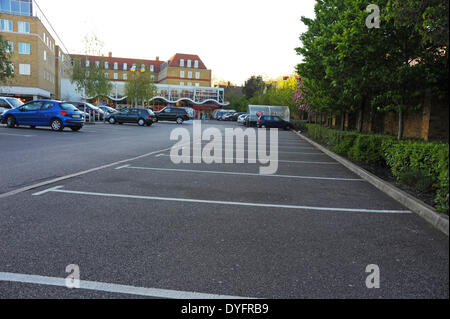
(8, 103)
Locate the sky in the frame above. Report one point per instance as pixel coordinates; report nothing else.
(234, 38)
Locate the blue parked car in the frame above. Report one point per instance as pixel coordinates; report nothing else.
(55, 114)
(274, 122)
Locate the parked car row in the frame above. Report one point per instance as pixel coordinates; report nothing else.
(59, 115)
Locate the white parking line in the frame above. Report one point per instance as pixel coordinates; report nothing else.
(243, 174)
(111, 288)
(19, 135)
(59, 179)
(245, 159)
(279, 152)
(59, 189)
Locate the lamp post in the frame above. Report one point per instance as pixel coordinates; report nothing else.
(134, 71)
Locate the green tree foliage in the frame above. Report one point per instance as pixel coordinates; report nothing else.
(140, 87)
(6, 66)
(348, 67)
(91, 81)
(254, 86)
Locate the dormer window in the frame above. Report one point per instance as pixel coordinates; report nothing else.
(125, 67)
(189, 63)
(196, 64)
(116, 66)
(182, 63)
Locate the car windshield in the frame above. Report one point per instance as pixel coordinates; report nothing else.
(68, 107)
(93, 106)
(14, 102)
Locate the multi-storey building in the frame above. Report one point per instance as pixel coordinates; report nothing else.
(39, 63)
(183, 80)
(43, 69)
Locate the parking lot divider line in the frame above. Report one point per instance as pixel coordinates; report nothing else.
(244, 159)
(59, 179)
(111, 288)
(47, 190)
(245, 174)
(317, 153)
(201, 201)
(124, 166)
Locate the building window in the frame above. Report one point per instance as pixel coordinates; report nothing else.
(116, 76)
(20, 7)
(152, 68)
(182, 63)
(6, 25)
(197, 84)
(97, 64)
(23, 27)
(189, 64)
(125, 76)
(197, 75)
(181, 83)
(45, 55)
(189, 83)
(190, 74)
(116, 66)
(152, 77)
(196, 64)
(106, 75)
(125, 66)
(106, 65)
(24, 69)
(24, 48)
(181, 74)
(88, 63)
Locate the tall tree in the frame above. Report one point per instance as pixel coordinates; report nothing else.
(140, 87)
(89, 77)
(254, 86)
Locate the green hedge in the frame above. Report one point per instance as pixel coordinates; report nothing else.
(431, 159)
(418, 164)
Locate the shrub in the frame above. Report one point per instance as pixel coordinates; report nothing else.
(418, 179)
(431, 159)
(418, 164)
(299, 125)
(368, 149)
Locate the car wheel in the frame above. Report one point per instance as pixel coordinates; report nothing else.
(11, 122)
(76, 128)
(32, 127)
(56, 125)
(112, 120)
(287, 128)
(180, 120)
(141, 122)
(120, 123)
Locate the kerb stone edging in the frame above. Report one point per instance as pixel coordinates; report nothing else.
(415, 205)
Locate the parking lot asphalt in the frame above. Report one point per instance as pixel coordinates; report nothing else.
(309, 231)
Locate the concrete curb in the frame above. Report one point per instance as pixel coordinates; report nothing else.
(425, 211)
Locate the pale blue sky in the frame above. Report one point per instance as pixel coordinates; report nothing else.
(234, 38)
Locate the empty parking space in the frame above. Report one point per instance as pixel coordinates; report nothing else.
(218, 229)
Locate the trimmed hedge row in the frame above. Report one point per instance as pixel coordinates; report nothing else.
(421, 165)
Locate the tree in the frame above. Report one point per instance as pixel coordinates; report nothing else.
(90, 80)
(6, 66)
(140, 87)
(254, 86)
(348, 67)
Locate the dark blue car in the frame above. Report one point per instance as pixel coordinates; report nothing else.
(55, 114)
(274, 122)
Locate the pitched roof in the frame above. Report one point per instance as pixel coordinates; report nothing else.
(175, 60)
